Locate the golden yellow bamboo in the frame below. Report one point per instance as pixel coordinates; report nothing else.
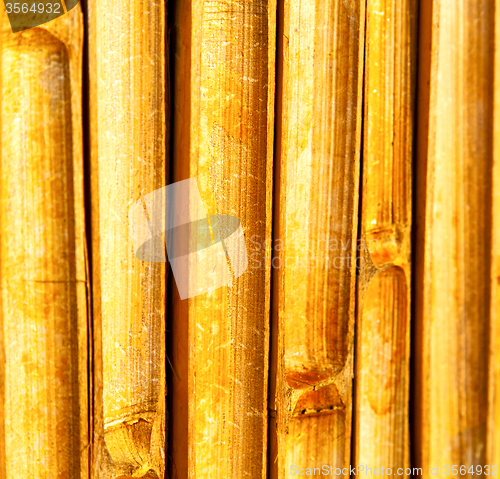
(453, 302)
(224, 138)
(131, 159)
(43, 255)
(493, 447)
(384, 293)
(317, 229)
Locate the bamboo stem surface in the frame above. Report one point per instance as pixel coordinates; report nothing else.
(131, 158)
(384, 292)
(316, 232)
(224, 139)
(43, 257)
(453, 300)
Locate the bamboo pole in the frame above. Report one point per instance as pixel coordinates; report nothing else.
(224, 139)
(43, 253)
(452, 282)
(493, 449)
(317, 230)
(384, 293)
(131, 163)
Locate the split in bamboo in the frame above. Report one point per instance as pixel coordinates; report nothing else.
(131, 162)
(224, 138)
(382, 376)
(317, 229)
(44, 314)
(100, 466)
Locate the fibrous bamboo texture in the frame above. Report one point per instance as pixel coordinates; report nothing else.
(317, 229)
(225, 112)
(383, 314)
(130, 40)
(493, 449)
(454, 168)
(44, 390)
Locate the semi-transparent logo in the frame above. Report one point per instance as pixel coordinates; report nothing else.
(204, 251)
(32, 13)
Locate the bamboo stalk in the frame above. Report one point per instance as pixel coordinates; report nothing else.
(131, 137)
(224, 138)
(493, 449)
(43, 253)
(384, 294)
(317, 229)
(453, 282)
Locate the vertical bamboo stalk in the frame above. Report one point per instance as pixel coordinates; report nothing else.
(43, 253)
(131, 137)
(226, 109)
(317, 229)
(493, 450)
(383, 322)
(452, 309)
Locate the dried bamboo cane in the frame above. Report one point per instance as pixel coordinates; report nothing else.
(43, 253)
(131, 163)
(454, 188)
(493, 449)
(383, 322)
(317, 229)
(224, 138)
